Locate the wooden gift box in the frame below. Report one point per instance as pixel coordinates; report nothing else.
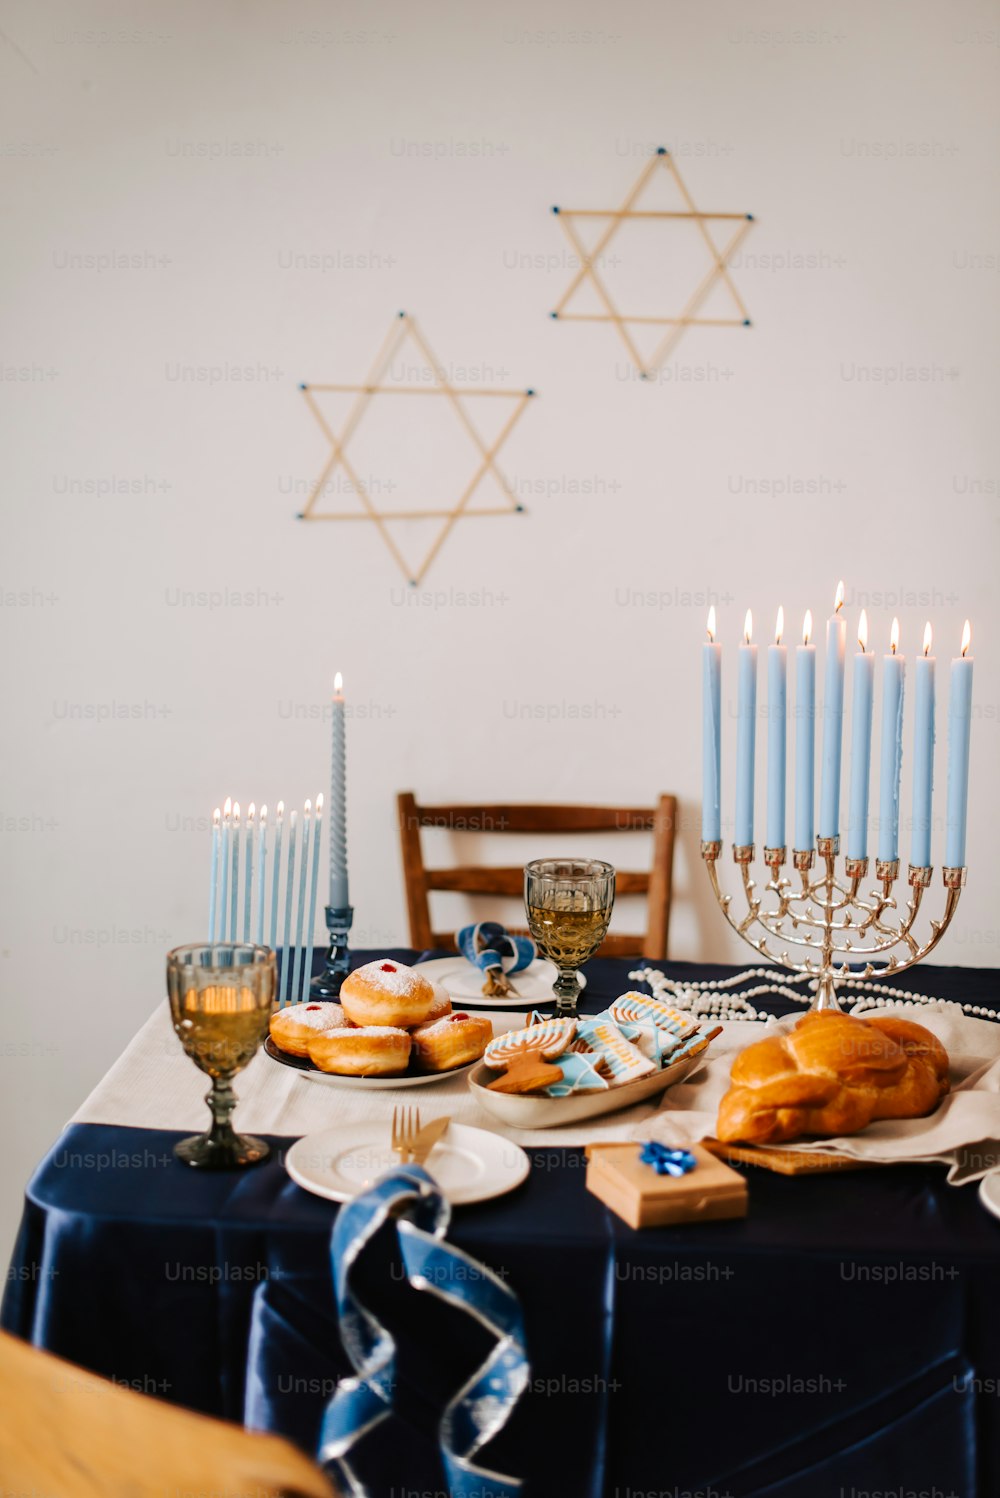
(644, 1199)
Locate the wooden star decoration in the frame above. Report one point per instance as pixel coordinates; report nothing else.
(717, 273)
(403, 327)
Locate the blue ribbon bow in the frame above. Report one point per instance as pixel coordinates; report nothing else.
(488, 945)
(665, 1161)
(482, 1407)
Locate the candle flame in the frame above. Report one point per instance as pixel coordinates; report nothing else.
(281, 810)
(227, 810)
(319, 804)
(748, 626)
(966, 637)
(338, 684)
(863, 630)
(894, 636)
(250, 813)
(216, 817)
(236, 811)
(308, 808)
(807, 627)
(838, 602)
(263, 813)
(779, 625)
(927, 638)
(711, 622)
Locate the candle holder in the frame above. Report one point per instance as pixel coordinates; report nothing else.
(327, 984)
(831, 921)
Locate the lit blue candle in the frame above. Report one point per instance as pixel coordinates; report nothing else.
(805, 738)
(276, 875)
(893, 677)
(300, 919)
(248, 872)
(286, 953)
(746, 735)
(777, 708)
(862, 692)
(227, 834)
(314, 882)
(339, 893)
(923, 755)
(234, 893)
(261, 876)
(959, 727)
(711, 735)
(213, 888)
(833, 720)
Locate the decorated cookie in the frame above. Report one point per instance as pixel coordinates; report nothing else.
(545, 1040)
(623, 1060)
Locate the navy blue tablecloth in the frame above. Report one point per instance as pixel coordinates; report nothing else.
(845, 1336)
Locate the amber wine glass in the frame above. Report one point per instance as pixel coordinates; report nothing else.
(221, 995)
(569, 903)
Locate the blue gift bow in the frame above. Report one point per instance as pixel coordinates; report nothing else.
(489, 945)
(665, 1161)
(484, 1404)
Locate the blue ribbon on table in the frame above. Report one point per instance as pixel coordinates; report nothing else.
(666, 1161)
(484, 1404)
(489, 946)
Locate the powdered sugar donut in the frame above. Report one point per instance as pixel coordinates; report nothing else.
(293, 1027)
(441, 1005)
(454, 1040)
(371, 1051)
(387, 993)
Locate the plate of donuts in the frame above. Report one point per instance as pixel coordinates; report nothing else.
(391, 1028)
(464, 982)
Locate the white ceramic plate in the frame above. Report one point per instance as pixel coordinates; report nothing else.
(522, 1111)
(470, 1165)
(305, 1068)
(989, 1192)
(461, 980)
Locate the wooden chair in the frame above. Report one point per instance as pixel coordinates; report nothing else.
(65, 1431)
(486, 880)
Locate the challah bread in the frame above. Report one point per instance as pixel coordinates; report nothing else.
(832, 1074)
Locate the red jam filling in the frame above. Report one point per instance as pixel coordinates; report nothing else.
(312, 1006)
(387, 967)
(459, 1016)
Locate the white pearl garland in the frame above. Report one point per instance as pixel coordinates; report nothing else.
(712, 998)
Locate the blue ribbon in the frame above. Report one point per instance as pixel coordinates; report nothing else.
(483, 1405)
(488, 945)
(667, 1162)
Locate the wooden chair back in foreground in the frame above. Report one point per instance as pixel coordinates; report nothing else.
(67, 1432)
(655, 883)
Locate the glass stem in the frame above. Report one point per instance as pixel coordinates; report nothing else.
(222, 1101)
(567, 990)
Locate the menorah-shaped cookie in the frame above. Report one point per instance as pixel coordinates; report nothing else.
(525, 1056)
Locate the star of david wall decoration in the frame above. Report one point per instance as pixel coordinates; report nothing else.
(716, 276)
(485, 471)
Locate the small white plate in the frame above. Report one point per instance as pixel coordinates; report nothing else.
(305, 1068)
(470, 1165)
(989, 1192)
(464, 981)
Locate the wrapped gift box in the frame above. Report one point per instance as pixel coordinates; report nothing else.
(643, 1199)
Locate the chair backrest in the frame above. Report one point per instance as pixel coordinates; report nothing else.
(69, 1432)
(655, 883)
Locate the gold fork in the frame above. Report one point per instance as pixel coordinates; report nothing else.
(405, 1128)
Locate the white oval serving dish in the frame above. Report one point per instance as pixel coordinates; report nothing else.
(535, 1112)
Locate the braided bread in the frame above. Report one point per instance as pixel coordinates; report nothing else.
(832, 1074)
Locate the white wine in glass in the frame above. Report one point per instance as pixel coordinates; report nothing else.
(569, 903)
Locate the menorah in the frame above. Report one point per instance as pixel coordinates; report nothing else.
(844, 935)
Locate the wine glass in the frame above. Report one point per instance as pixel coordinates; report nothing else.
(221, 996)
(569, 903)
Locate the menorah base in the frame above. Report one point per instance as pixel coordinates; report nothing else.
(337, 965)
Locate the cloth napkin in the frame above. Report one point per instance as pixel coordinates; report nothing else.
(962, 1133)
(492, 949)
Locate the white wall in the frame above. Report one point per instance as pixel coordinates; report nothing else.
(432, 139)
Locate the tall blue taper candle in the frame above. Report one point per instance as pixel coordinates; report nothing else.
(248, 873)
(286, 964)
(258, 935)
(301, 916)
(805, 739)
(276, 875)
(339, 892)
(891, 762)
(861, 743)
(746, 735)
(833, 720)
(711, 735)
(227, 833)
(959, 735)
(924, 690)
(234, 893)
(777, 713)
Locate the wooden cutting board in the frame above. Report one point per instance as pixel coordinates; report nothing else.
(786, 1162)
